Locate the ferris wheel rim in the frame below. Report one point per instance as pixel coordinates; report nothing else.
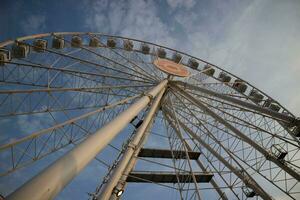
(4, 44)
(42, 35)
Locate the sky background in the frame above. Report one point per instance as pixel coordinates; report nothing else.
(257, 40)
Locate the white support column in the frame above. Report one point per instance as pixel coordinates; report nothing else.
(132, 147)
(48, 183)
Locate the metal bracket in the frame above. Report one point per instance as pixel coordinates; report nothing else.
(148, 95)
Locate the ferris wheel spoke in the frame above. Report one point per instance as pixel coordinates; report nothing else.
(284, 117)
(232, 107)
(184, 146)
(245, 138)
(63, 69)
(233, 136)
(272, 179)
(265, 141)
(214, 184)
(178, 183)
(239, 121)
(90, 64)
(37, 76)
(33, 101)
(148, 65)
(265, 138)
(218, 171)
(136, 67)
(246, 162)
(234, 182)
(94, 64)
(55, 134)
(243, 175)
(76, 89)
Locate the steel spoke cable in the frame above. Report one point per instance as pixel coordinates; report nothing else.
(222, 195)
(88, 62)
(218, 171)
(235, 106)
(63, 89)
(247, 124)
(256, 170)
(131, 62)
(69, 71)
(251, 183)
(213, 137)
(260, 174)
(271, 157)
(68, 122)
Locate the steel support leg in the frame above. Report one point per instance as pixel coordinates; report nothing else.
(132, 147)
(48, 183)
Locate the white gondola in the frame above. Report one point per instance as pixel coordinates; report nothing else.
(256, 96)
(278, 152)
(39, 45)
(224, 77)
(193, 63)
(145, 49)
(275, 107)
(248, 192)
(176, 57)
(240, 86)
(76, 41)
(94, 42)
(111, 43)
(58, 42)
(4, 56)
(20, 50)
(267, 103)
(208, 70)
(161, 53)
(296, 131)
(128, 45)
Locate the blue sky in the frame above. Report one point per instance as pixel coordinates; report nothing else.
(257, 40)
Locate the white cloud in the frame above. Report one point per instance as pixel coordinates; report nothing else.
(256, 41)
(33, 24)
(139, 19)
(188, 4)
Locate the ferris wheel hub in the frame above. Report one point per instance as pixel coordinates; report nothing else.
(170, 67)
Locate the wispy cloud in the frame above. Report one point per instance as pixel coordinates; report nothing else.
(34, 24)
(188, 4)
(140, 19)
(253, 40)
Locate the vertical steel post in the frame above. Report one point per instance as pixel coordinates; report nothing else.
(48, 183)
(132, 147)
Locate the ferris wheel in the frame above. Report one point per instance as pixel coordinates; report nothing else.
(151, 116)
